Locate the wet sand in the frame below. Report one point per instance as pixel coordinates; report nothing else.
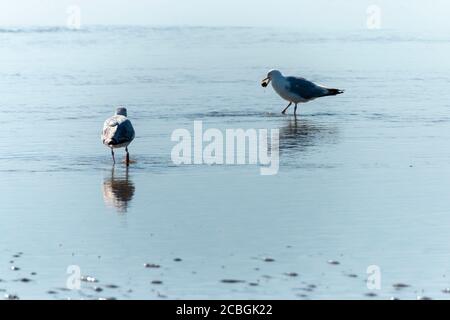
(363, 177)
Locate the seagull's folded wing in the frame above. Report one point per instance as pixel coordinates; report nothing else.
(125, 132)
(305, 88)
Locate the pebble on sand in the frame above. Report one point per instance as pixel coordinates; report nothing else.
(88, 279)
(231, 281)
(14, 268)
(400, 285)
(333, 262)
(267, 259)
(156, 282)
(10, 296)
(291, 274)
(151, 265)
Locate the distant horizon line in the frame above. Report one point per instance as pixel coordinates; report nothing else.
(4, 26)
(17, 27)
(62, 27)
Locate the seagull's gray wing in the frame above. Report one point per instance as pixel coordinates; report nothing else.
(125, 132)
(305, 88)
(117, 130)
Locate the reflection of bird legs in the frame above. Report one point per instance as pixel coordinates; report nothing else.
(284, 110)
(127, 157)
(112, 153)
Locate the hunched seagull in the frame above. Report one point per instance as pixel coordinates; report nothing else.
(118, 132)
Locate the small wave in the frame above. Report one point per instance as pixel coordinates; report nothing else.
(50, 29)
(221, 114)
(129, 28)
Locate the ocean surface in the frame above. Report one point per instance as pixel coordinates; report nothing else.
(364, 178)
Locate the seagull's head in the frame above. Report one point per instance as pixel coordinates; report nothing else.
(121, 111)
(270, 75)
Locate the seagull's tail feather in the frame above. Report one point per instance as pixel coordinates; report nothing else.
(333, 92)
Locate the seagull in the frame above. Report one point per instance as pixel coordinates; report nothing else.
(118, 132)
(295, 89)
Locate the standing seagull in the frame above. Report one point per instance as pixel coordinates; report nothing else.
(296, 90)
(118, 132)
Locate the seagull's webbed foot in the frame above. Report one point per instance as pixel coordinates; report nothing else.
(284, 110)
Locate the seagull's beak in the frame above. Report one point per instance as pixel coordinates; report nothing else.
(265, 82)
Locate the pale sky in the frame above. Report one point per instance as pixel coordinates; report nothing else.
(315, 14)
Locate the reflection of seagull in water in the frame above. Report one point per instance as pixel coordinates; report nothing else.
(300, 134)
(118, 132)
(118, 191)
(296, 90)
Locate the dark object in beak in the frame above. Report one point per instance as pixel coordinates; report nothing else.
(265, 82)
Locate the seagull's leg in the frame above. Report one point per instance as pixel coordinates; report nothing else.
(295, 110)
(127, 160)
(284, 110)
(112, 153)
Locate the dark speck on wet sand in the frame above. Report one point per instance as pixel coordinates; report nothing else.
(231, 281)
(333, 262)
(10, 296)
(400, 285)
(151, 265)
(291, 274)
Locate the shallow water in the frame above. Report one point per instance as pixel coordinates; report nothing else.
(363, 176)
